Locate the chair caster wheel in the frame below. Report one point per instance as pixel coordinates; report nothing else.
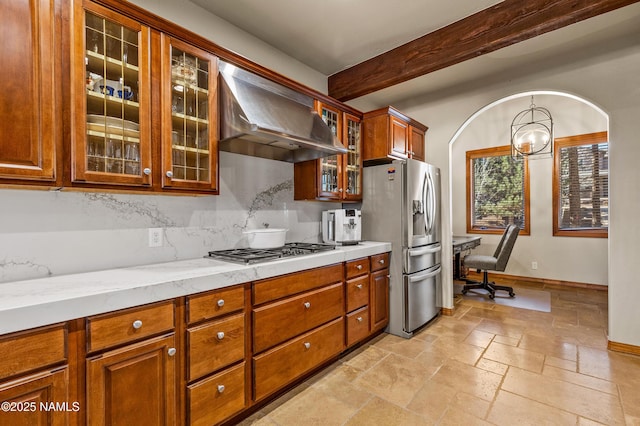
(492, 296)
(512, 294)
(464, 292)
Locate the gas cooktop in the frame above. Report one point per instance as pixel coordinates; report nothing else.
(249, 255)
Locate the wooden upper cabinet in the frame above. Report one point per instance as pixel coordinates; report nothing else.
(189, 117)
(337, 177)
(111, 98)
(388, 134)
(416, 143)
(29, 82)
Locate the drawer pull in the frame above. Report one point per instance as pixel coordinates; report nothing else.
(359, 285)
(359, 319)
(220, 388)
(307, 345)
(358, 267)
(171, 351)
(381, 261)
(137, 324)
(221, 303)
(307, 305)
(220, 335)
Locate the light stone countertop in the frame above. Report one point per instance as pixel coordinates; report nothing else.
(33, 303)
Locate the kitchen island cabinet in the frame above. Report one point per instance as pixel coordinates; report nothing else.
(388, 135)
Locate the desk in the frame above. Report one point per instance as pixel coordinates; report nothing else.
(461, 244)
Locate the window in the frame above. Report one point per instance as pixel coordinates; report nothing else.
(497, 191)
(581, 186)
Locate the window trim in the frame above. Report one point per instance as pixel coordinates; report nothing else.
(565, 142)
(495, 152)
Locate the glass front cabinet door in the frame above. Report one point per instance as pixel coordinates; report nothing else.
(189, 108)
(111, 119)
(330, 170)
(352, 161)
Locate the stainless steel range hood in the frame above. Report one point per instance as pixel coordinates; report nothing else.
(264, 119)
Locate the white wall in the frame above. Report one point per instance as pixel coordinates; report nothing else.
(582, 260)
(202, 22)
(610, 81)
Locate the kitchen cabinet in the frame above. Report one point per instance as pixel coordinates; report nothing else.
(30, 104)
(131, 378)
(189, 112)
(379, 291)
(358, 300)
(111, 98)
(337, 177)
(34, 372)
(216, 343)
(298, 324)
(389, 134)
(112, 114)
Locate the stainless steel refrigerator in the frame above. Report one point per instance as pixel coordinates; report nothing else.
(401, 204)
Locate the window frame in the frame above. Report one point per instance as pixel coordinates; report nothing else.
(565, 142)
(495, 152)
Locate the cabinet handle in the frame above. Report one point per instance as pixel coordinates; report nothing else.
(359, 319)
(381, 261)
(221, 303)
(220, 335)
(358, 267)
(169, 174)
(359, 285)
(137, 324)
(307, 345)
(307, 305)
(147, 171)
(220, 388)
(171, 351)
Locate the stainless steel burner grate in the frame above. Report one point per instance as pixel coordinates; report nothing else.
(248, 256)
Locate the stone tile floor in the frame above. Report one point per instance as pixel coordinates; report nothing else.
(486, 364)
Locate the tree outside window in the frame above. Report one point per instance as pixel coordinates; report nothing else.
(581, 186)
(497, 191)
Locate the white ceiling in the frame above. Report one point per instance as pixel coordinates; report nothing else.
(331, 35)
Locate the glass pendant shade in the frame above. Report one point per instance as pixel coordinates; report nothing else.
(532, 133)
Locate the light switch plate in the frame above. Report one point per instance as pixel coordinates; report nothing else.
(155, 237)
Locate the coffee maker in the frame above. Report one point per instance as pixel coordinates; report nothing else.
(342, 226)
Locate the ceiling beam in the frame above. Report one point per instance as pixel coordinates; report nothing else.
(501, 25)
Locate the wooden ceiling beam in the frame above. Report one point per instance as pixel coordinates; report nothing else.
(501, 25)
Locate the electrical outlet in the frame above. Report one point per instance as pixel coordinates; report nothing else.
(155, 237)
(534, 265)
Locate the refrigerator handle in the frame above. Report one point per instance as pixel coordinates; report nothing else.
(421, 277)
(425, 250)
(431, 210)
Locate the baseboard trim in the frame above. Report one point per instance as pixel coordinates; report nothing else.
(543, 281)
(623, 347)
(447, 311)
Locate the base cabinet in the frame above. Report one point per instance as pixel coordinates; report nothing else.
(32, 400)
(216, 398)
(379, 291)
(134, 385)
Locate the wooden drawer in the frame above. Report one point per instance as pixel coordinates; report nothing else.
(283, 286)
(282, 320)
(357, 267)
(128, 325)
(217, 398)
(215, 345)
(214, 304)
(379, 261)
(357, 293)
(357, 325)
(283, 364)
(33, 349)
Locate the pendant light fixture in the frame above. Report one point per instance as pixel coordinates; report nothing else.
(532, 133)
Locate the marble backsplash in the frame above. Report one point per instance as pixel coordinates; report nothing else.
(44, 233)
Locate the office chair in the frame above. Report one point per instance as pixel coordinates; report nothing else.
(497, 262)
